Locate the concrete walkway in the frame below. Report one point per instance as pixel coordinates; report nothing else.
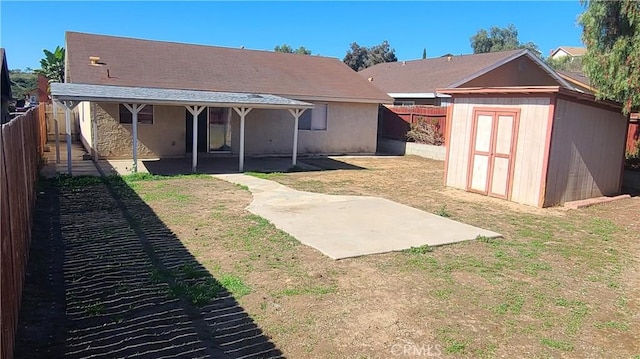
(350, 226)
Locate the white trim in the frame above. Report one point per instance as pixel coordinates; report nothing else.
(396, 95)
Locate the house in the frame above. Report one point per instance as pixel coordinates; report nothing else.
(415, 82)
(570, 51)
(533, 138)
(142, 99)
(6, 88)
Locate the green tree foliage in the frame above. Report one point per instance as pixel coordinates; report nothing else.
(611, 32)
(499, 39)
(566, 63)
(289, 50)
(360, 57)
(52, 65)
(22, 82)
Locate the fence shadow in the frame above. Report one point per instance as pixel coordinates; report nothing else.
(109, 279)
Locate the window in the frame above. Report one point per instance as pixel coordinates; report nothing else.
(314, 119)
(145, 116)
(404, 103)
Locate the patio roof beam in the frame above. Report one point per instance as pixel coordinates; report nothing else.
(242, 112)
(134, 109)
(296, 115)
(68, 107)
(195, 112)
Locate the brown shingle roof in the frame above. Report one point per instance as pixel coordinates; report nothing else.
(156, 64)
(423, 76)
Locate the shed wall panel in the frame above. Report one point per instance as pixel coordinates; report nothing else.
(587, 150)
(529, 151)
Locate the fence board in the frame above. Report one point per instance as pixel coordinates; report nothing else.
(22, 142)
(397, 120)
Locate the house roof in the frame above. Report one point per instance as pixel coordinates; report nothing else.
(571, 50)
(5, 81)
(169, 65)
(122, 94)
(425, 76)
(577, 78)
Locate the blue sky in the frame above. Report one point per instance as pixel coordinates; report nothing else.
(327, 28)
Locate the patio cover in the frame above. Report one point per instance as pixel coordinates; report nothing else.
(135, 98)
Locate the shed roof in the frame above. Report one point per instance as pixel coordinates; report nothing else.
(169, 65)
(427, 75)
(122, 94)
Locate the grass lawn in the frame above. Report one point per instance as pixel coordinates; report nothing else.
(560, 283)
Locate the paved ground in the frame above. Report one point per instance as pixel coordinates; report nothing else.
(350, 226)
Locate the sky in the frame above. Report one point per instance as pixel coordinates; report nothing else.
(326, 28)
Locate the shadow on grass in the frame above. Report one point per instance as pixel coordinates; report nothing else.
(223, 165)
(108, 279)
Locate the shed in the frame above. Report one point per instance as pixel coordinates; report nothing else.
(537, 145)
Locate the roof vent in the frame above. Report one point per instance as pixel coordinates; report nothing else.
(370, 79)
(404, 63)
(95, 61)
(449, 58)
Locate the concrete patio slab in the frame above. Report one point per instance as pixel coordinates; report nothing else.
(350, 226)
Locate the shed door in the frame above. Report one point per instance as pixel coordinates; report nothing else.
(492, 145)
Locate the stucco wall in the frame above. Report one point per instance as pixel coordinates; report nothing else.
(586, 154)
(529, 152)
(164, 138)
(351, 128)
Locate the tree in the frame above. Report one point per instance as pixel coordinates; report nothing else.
(287, 49)
(52, 65)
(360, 57)
(424, 53)
(611, 32)
(565, 63)
(22, 82)
(499, 39)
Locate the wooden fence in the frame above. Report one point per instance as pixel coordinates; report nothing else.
(22, 144)
(397, 120)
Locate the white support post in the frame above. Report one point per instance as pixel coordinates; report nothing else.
(195, 112)
(94, 122)
(69, 106)
(67, 124)
(243, 112)
(56, 130)
(296, 116)
(134, 109)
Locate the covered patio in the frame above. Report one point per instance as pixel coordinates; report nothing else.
(134, 99)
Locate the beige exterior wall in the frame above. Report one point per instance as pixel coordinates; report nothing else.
(84, 119)
(164, 138)
(351, 128)
(519, 72)
(586, 154)
(530, 143)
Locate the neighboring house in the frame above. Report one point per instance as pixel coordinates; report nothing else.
(245, 101)
(541, 140)
(6, 88)
(415, 82)
(570, 51)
